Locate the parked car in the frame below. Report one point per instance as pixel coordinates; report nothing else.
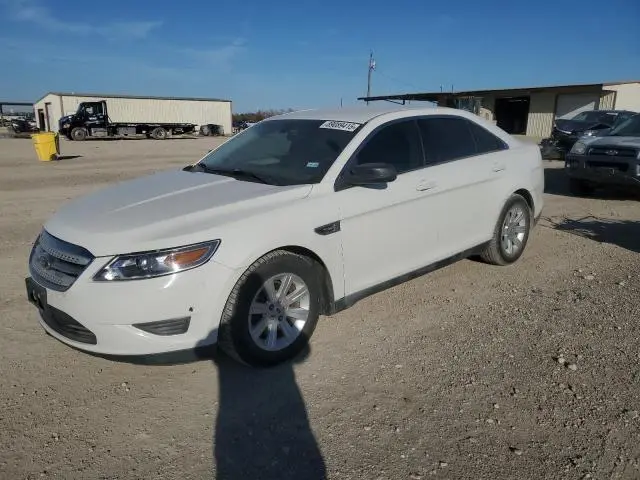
(18, 125)
(302, 215)
(238, 126)
(610, 160)
(592, 123)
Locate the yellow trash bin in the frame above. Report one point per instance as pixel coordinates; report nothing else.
(47, 145)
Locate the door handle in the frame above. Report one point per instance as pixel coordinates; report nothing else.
(423, 186)
(499, 167)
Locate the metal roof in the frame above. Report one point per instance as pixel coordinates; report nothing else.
(17, 104)
(433, 96)
(363, 114)
(145, 97)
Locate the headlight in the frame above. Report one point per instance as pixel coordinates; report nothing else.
(578, 148)
(589, 133)
(66, 125)
(157, 263)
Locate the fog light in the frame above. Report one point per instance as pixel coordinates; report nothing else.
(174, 326)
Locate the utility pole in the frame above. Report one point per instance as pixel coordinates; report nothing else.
(372, 66)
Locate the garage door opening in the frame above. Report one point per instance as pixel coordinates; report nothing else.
(512, 113)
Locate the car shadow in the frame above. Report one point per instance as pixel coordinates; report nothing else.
(67, 157)
(623, 233)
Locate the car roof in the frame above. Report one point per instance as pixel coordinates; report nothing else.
(363, 114)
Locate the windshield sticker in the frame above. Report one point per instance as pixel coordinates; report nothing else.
(313, 164)
(335, 125)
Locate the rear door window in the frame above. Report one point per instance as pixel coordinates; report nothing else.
(486, 141)
(446, 139)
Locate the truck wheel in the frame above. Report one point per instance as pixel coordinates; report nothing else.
(159, 133)
(79, 134)
(205, 130)
(273, 310)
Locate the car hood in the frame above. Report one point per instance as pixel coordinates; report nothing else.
(613, 141)
(164, 210)
(574, 125)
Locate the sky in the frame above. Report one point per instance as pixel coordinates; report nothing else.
(306, 54)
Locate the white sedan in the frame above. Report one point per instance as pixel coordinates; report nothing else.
(299, 216)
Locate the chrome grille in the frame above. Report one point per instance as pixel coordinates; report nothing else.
(56, 264)
(613, 151)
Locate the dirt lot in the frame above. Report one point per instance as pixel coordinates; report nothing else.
(453, 375)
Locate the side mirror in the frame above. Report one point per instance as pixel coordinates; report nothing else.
(372, 173)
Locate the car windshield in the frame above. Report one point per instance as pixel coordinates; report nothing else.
(595, 116)
(282, 152)
(629, 128)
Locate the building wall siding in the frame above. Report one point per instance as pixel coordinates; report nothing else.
(53, 109)
(608, 100)
(487, 108)
(541, 111)
(147, 110)
(627, 96)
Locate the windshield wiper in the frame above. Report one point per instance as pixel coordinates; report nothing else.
(234, 172)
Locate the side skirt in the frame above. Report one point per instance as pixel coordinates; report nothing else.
(350, 300)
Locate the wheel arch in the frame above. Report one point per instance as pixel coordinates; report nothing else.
(327, 282)
(526, 194)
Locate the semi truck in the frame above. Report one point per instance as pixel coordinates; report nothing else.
(92, 120)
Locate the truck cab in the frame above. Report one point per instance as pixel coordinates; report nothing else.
(91, 118)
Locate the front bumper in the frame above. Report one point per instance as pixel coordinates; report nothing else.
(623, 172)
(100, 317)
(558, 145)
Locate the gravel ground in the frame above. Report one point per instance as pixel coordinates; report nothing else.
(529, 371)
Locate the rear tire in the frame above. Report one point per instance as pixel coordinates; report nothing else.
(159, 133)
(579, 187)
(205, 130)
(511, 233)
(263, 326)
(78, 134)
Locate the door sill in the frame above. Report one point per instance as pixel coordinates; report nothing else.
(350, 300)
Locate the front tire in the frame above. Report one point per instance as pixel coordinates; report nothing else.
(79, 134)
(511, 233)
(273, 310)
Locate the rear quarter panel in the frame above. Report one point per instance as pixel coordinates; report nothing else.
(526, 172)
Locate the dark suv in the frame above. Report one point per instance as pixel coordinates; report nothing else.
(593, 123)
(613, 159)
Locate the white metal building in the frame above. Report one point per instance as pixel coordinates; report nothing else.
(132, 109)
(531, 111)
